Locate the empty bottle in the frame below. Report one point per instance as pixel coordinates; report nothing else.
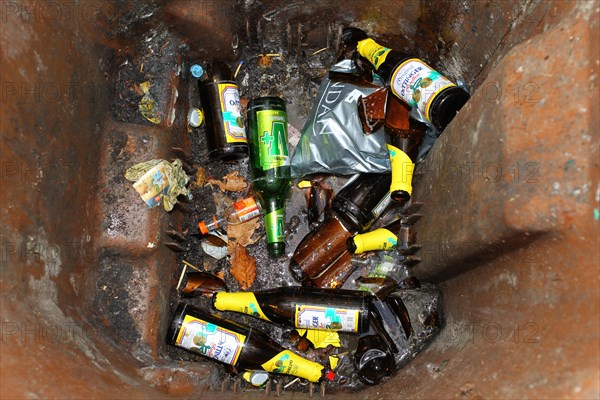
(241, 211)
(336, 273)
(385, 238)
(236, 345)
(225, 129)
(411, 79)
(353, 210)
(301, 307)
(269, 157)
(373, 359)
(405, 135)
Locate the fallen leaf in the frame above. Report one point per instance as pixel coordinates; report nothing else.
(242, 234)
(231, 182)
(203, 284)
(222, 202)
(243, 266)
(200, 177)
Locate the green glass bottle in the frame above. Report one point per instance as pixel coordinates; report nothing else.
(269, 158)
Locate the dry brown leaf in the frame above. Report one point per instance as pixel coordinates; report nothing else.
(242, 233)
(231, 182)
(243, 266)
(200, 177)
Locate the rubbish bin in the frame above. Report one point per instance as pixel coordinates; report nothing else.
(508, 224)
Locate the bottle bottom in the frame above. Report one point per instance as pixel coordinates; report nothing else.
(229, 154)
(446, 105)
(374, 365)
(276, 249)
(297, 273)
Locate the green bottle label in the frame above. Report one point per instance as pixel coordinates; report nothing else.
(272, 139)
(275, 226)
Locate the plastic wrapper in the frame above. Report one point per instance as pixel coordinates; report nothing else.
(159, 180)
(332, 139)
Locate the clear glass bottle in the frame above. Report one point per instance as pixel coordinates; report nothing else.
(241, 211)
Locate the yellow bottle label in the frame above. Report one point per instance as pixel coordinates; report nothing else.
(233, 121)
(289, 363)
(242, 302)
(210, 340)
(402, 170)
(418, 84)
(321, 339)
(375, 53)
(379, 239)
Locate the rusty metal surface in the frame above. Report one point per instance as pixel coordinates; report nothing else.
(512, 236)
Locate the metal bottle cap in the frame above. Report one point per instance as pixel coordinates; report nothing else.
(197, 71)
(195, 117)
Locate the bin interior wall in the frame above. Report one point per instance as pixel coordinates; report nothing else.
(513, 328)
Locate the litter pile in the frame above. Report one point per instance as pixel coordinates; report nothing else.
(307, 234)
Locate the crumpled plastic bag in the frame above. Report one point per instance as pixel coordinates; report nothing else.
(332, 139)
(159, 180)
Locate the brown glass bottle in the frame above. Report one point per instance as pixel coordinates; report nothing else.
(301, 307)
(405, 134)
(373, 360)
(236, 345)
(225, 128)
(385, 238)
(353, 210)
(412, 80)
(336, 273)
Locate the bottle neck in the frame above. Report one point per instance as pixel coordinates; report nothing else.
(372, 51)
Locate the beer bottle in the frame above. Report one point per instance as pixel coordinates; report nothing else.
(336, 273)
(237, 345)
(241, 211)
(411, 79)
(353, 210)
(225, 129)
(301, 307)
(405, 135)
(373, 360)
(385, 238)
(269, 157)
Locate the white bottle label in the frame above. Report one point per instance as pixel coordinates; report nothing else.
(233, 121)
(210, 340)
(418, 84)
(327, 318)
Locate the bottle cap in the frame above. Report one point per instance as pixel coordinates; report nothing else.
(203, 227)
(256, 378)
(197, 71)
(195, 117)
